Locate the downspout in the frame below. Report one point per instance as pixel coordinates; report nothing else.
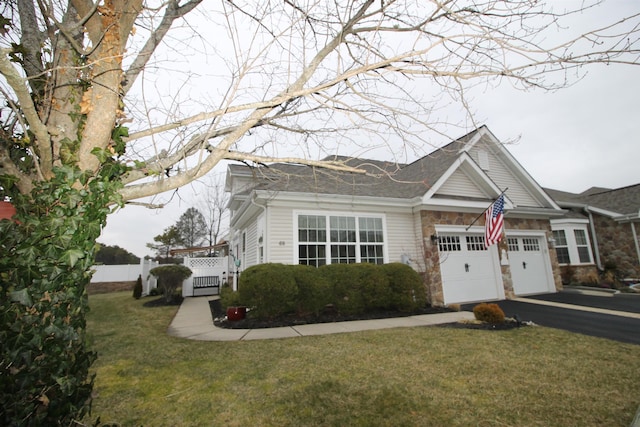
(265, 231)
(596, 251)
(635, 240)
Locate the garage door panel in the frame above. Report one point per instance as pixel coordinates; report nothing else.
(528, 263)
(468, 269)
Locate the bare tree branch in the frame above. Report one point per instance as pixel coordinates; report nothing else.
(172, 12)
(19, 86)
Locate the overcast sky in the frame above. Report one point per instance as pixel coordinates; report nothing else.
(579, 137)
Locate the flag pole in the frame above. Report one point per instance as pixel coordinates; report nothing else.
(479, 216)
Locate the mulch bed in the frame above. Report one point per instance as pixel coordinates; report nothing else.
(328, 316)
(507, 325)
(160, 301)
(220, 320)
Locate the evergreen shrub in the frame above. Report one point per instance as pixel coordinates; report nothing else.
(137, 288)
(314, 292)
(345, 287)
(229, 297)
(407, 291)
(373, 285)
(170, 277)
(269, 289)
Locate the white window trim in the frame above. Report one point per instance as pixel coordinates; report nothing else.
(569, 233)
(328, 243)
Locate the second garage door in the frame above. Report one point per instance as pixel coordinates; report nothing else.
(530, 267)
(469, 271)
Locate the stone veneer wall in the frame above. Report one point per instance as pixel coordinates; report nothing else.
(617, 246)
(433, 275)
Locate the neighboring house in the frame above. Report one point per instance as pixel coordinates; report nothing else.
(599, 231)
(418, 213)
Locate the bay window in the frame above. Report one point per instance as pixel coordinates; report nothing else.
(572, 243)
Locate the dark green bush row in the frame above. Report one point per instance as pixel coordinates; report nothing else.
(273, 290)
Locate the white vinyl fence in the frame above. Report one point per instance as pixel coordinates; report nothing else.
(127, 273)
(208, 275)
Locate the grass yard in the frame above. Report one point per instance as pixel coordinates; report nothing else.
(426, 376)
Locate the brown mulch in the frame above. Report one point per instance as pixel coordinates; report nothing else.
(328, 316)
(220, 320)
(507, 325)
(161, 302)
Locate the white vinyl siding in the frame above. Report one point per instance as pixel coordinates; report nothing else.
(458, 184)
(504, 178)
(280, 241)
(402, 231)
(249, 246)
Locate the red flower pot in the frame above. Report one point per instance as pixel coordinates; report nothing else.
(7, 210)
(236, 313)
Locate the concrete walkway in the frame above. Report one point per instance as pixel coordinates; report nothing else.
(193, 321)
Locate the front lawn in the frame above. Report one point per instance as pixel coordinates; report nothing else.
(426, 376)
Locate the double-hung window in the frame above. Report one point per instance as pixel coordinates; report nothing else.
(312, 240)
(340, 239)
(582, 245)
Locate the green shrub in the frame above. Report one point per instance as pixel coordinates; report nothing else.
(358, 288)
(314, 292)
(345, 288)
(229, 297)
(170, 277)
(269, 289)
(407, 290)
(490, 313)
(137, 288)
(155, 292)
(373, 285)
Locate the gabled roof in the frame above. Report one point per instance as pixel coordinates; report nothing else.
(419, 180)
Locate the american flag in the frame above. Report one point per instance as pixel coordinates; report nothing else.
(494, 222)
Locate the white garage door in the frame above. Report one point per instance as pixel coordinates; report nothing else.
(469, 271)
(530, 267)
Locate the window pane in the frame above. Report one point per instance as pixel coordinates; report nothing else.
(583, 253)
(531, 245)
(311, 228)
(343, 254)
(513, 244)
(449, 243)
(343, 229)
(475, 243)
(370, 229)
(372, 254)
(559, 236)
(581, 237)
(312, 255)
(563, 255)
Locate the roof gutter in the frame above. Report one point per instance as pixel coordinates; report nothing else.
(596, 251)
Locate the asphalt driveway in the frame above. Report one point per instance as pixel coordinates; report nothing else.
(619, 328)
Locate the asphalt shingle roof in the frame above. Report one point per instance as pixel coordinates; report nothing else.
(624, 201)
(383, 179)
